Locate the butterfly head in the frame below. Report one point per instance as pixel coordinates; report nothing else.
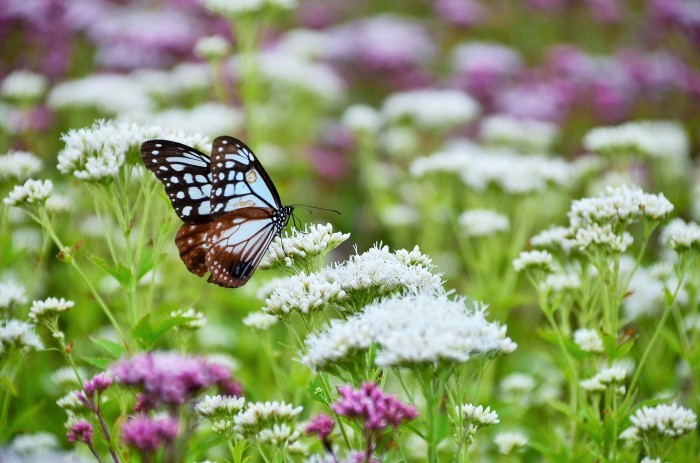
(282, 217)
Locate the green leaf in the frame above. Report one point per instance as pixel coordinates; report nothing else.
(315, 390)
(119, 272)
(147, 334)
(100, 362)
(668, 297)
(114, 349)
(238, 451)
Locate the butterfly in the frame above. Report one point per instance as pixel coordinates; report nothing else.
(230, 208)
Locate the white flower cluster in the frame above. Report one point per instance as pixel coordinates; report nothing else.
(554, 238)
(19, 165)
(517, 387)
(560, 282)
(483, 222)
(602, 236)
(70, 403)
(588, 340)
(259, 321)
(125, 94)
(655, 139)
(477, 415)
(12, 294)
(15, 334)
(410, 329)
(34, 443)
(98, 153)
(31, 192)
(621, 204)
(362, 118)
(430, 108)
(669, 420)
(311, 243)
(613, 376)
(209, 119)
(303, 293)
(537, 260)
(212, 406)
(480, 167)
(264, 415)
(680, 235)
(195, 318)
(526, 135)
(236, 7)
(646, 288)
(510, 442)
(48, 308)
(212, 47)
(279, 435)
(24, 85)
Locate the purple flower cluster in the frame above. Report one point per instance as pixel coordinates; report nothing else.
(376, 409)
(80, 431)
(321, 425)
(149, 434)
(171, 378)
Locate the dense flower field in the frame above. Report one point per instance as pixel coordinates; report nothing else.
(512, 276)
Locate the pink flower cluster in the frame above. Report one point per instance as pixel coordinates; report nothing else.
(172, 379)
(321, 425)
(80, 431)
(376, 409)
(149, 434)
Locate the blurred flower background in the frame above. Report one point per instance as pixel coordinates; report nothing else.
(461, 130)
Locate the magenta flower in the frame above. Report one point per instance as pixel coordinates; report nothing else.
(98, 384)
(80, 431)
(321, 425)
(375, 408)
(149, 434)
(170, 378)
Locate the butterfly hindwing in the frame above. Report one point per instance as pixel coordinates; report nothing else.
(236, 243)
(238, 179)
(191, 241)
(185, 173)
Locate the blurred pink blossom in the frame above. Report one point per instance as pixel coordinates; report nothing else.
(149, 434)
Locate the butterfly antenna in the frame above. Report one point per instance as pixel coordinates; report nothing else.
(308, 208)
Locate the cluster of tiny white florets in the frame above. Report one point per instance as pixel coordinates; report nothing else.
(32, 192)
(195, 318)
(680, 235)
(12, 294)
(595, 235)
(312, 242)
(555, 238)
(480, 167)
(483, 222)
(259, 321)
(48, 308)
(219, 406)
(655, 139)
(534, 260)
(362, 118)
(259, 416)
(613, 376)
(15, 334)
(526, 135)
(19, 165)
(477, 416)
(98, 153)
(560, 282)
(303, 293)
(430, 108)
(670, 420)
(24, 85)
(510, 442)
(38, 443)
(236, 7)
(410, 329)
(588, 340)
(212, 47)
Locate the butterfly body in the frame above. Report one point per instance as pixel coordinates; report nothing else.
(230, 208)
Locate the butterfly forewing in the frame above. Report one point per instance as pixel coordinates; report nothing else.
(238, 179)
(237, 242)
(185, 173)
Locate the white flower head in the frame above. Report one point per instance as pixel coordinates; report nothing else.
(48, 308)
(194, 318)
(510, 442)
(629, 435)
(483, 222)
(260, 321)
(70, 402)
(57, 203)
(613, 376)
(680, 235)
(18, 335)
(299, 293)
(588, 340)
(361, 118)
(517, 387)
(32, 192)
(19, 165)
(477, 415)
(534, 260)
(279, 435)
(237, 7)
(430, 108)
(293, 250)
(671, 420)
(24, 86)
(219, 406)
(262, 415)
(554, 238)
(594, 235)
(34, 443)
(526, 135)
(654, 139)
(11, 295)
(560, 282)
(212, 47)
